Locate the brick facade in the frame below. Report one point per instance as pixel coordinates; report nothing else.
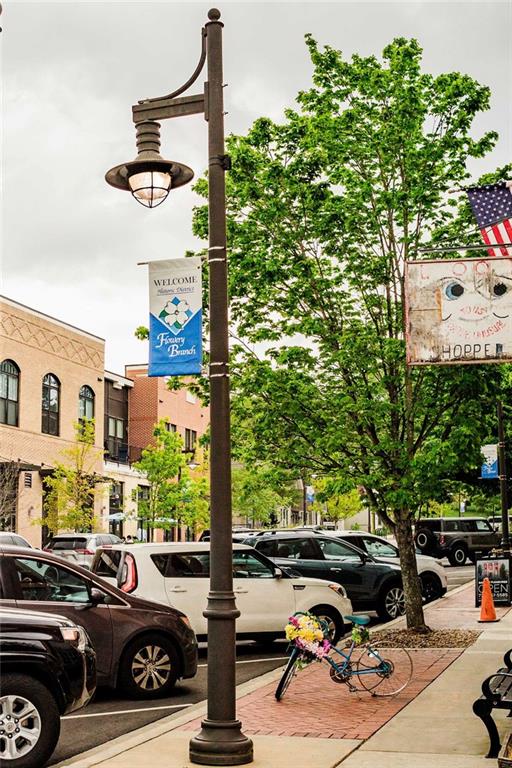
(39, 345)
(151, 401)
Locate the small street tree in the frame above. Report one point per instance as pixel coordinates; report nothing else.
(174, 497)
(324, 210)
(72, 487)
(9, 476)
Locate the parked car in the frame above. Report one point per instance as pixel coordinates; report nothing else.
(370, 585)
(80, 548)
(456, 538)
(178, 574)
(141, 647)
(9, 537)
(47, 668)
(434, 582)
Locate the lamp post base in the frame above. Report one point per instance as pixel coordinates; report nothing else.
(221, 743)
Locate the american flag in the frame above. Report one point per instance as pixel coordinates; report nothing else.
(492, 208)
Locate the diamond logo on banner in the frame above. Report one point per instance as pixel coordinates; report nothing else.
(176, 314)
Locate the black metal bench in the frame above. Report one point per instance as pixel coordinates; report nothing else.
(496, 694)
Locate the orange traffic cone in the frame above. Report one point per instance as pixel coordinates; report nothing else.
(487, 610)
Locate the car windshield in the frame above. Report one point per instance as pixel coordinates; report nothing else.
(76, 543)
(106, 563)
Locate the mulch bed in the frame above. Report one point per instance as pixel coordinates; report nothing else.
(436, 638)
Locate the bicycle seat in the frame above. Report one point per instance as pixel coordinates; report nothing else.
(361, 620)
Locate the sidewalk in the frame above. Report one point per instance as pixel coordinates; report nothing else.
(430, 725)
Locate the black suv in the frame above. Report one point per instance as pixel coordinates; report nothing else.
(48, 668)
(456, 538)
(370, 585)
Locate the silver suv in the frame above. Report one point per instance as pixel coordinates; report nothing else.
(80, 548)
(456, 538)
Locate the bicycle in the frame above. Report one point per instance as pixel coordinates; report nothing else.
(383, 673)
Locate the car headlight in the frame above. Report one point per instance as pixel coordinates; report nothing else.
(339, 589)
(76, 636)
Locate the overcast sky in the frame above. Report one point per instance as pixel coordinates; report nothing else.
(72, 70)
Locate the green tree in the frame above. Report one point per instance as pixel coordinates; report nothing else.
(258, 493)
(174, 498)
(324, 210)
(73, 486)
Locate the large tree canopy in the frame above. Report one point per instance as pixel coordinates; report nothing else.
(323, 211)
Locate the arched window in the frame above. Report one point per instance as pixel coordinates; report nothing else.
(50, 405)
(86, 403)
(9, 389)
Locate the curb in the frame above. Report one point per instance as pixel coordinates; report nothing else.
(153, 730)
(149, 732)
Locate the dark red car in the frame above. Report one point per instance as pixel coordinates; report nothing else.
(141, 646)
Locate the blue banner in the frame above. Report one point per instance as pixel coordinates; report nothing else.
(175, 319)
(490, 466)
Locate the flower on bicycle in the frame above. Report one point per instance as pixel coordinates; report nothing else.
(305, 632)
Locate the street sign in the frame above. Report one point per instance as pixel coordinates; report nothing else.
(497, 570)
(490, 465)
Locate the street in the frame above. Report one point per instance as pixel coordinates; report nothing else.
(111, 714)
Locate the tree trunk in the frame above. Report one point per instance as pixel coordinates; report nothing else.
(410, 578)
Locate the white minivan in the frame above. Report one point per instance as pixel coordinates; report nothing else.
(178, 574)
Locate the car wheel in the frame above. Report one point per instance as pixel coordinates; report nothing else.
(458, 555)
(425, 540)
(149, 667)
(332, 619)
(29, 722)
(431, 587)
(391, 603)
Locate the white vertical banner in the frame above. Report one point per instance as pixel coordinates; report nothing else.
(175, 317)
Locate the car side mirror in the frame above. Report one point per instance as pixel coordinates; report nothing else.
(97, 596)
(278, 574)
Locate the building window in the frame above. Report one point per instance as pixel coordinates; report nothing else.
(9, 388)
(86, 403)
(116, 440)
(170, 427)
(115, 509)
(116, 422)
(51, 405)
(190, 439)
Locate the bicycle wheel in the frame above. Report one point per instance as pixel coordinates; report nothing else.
(392, 670)
(289, 672)
(346, 670)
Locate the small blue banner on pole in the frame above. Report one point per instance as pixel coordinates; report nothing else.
(490, 465)
(175, 317)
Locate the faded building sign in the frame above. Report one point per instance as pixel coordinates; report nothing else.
(459, 311)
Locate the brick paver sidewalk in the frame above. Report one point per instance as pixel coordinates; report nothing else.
(315, 706)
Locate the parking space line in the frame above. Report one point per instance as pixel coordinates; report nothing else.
(126, 711)
(254, 661)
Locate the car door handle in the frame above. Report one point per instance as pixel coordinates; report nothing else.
(336, 570)
(177, 589)
(240, 591)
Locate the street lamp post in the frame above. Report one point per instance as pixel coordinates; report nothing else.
(149, 178)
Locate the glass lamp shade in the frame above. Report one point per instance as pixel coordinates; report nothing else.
(150, 188)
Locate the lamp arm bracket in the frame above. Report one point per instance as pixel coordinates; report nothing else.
(191, 79)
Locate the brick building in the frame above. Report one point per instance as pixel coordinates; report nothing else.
(151, 401)
(51, 373)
